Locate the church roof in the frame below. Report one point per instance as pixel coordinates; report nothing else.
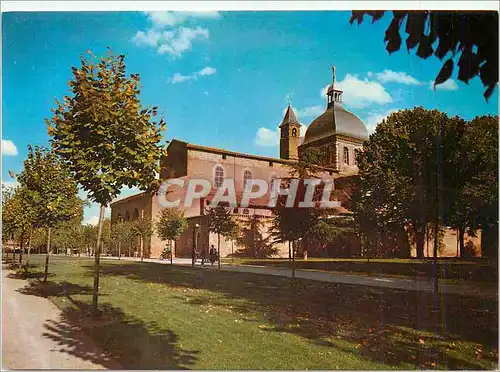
(335, 120)
(290, 117)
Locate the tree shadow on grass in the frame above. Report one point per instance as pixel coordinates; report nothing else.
(321, 311)
(124, 342)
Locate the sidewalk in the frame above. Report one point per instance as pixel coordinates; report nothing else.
(410, 284)
(27, 338)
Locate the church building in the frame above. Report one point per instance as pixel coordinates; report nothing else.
(338, 133)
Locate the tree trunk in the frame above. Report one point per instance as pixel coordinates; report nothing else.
(142, 247)
(95, 293)
(293, 262)
(218, 250)
(29, 249)
(172, 252)
(21, 245)
(436, 238)
(427, 236)
(130, 249)
(47, 255)
(119, 250)
(289, 250)
(420, 239)
(458, 244)
(461, 233)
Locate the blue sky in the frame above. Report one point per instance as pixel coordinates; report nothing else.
(221, 79)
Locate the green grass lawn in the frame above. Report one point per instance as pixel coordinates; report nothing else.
(162, 317)
(478, 269)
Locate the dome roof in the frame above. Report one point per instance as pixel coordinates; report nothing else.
(335, 120)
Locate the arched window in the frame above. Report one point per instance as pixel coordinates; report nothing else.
(218, 176)
(356, 153)
(136, 214)
(294, 132)
(127, 216)
(247, 176)
(119, 217)
(346, 155)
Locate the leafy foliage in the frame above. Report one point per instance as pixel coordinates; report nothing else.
(171, 224)
(144, 228)
(473, 35)
(18, 215)
(69, 235)
(293, 223)
(417, 169)
(252, 237)
(122, 233)
(221, 223)
(105, 136)
(472, 177)
(102, 131)
(49, 187)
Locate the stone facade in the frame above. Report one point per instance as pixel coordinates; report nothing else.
(185, 161)
(338, 133)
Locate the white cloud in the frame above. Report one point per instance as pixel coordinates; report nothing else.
(182, 41)
(206, 71)
(167, 35)
(170, 19)
(153, 38)
(389, 76)
(449, 84)
(310, 111)
(375, 117)
(323, 91)
(8, 148)
(266, 137)
(361, 93)
(93, 220)
(172, 42)
(179, 78)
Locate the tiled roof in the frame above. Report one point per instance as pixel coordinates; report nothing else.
(290, 117)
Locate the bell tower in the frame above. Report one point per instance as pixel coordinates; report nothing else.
(289, 135)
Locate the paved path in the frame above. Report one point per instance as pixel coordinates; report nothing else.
(27, 321)
(467, 288)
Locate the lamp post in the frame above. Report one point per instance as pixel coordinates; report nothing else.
(195, 242)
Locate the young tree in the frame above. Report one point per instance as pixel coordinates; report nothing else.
(18, 217)
(89, 238)
(251, 236)
(308, 223)
(105, 135)
(122, 233)
(68, 236)
(233, 235)
(144, 228)
(171, 225)
(221, 223)
(52, 191)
